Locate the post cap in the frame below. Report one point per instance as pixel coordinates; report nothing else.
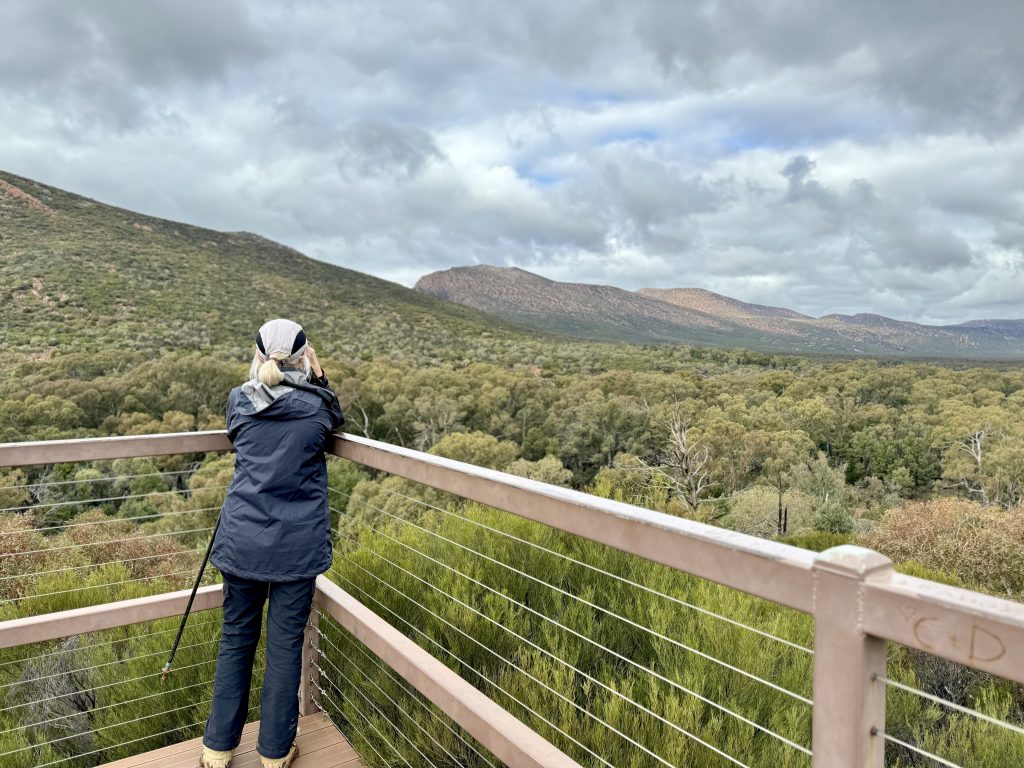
(850, 560)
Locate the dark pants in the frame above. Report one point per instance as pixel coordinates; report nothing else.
(290, 603)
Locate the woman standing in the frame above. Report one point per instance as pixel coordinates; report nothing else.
(274, 539)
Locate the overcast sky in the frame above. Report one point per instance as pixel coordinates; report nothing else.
(828, 156)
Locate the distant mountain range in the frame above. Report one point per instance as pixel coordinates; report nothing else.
(693, 315)
(77, 275)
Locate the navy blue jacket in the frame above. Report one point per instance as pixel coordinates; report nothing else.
(275, 524)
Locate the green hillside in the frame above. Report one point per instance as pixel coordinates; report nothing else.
(78, 275)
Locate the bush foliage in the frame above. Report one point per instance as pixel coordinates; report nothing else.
(116, 323)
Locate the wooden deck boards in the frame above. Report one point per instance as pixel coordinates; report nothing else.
(320, 746)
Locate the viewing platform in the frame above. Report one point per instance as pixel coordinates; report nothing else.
(436, 640)
(320, 744)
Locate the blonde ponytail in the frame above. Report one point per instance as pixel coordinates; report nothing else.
(269, 372)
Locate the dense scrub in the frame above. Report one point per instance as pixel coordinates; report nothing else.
(921, 462)
(119, 324)
(602, 639)
(831, 445)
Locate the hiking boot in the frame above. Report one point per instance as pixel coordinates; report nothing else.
(213, 758)
(281, 762)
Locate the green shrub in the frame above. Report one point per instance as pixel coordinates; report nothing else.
(817, 541)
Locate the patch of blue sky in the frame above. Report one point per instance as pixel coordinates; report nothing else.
(786, 136)
(630, 136)
(743, 142)
(545, 179)
(538, 177)
(559, 92)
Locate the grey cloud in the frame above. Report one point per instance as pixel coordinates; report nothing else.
(98, 65)
(824, 155)
(946, 62)
(879, 232)
(1010, 235)
(894, 235)
(800, 186)
(380, 148)
(133, 43)
(798, 176)
(906, 243)
(806, 245)
(640, 198)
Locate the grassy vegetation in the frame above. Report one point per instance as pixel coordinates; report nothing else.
(559, 649)
(119, 324)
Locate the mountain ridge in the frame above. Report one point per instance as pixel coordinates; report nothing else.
(695, 315)
(697, 297)
(79, 275)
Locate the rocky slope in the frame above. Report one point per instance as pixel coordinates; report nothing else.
(580, 309)
(694, 315)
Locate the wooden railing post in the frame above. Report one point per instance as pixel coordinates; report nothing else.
(309, 691)
(849, 703)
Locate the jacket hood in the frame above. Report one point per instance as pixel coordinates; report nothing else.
(261, 397)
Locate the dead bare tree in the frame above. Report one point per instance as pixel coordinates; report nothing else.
(685, 461)
(360, 421)
(974, 446)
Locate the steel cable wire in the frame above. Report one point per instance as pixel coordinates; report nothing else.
(602, 609)
(31, 574)
(108, 727)
(100, 687)
(594, 568)
(501, 658)
(394, 703)
(537, 680)
(915, 750)
(100, 543)
(366, 719)
(119, 704)
(621, 657)
(378, 710)
(50, 505)
(132, 741)
(111, 520)
(326, 696)
(139, 580)
(105, 478)
(591, 678)
(104, 664)
(404, 686)
(951, 705)
(100, 644)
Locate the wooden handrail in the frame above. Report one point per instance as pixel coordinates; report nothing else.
(513, 742)
(856, 598)
(768, 569)
(964, 626)
(99, 448)
(967, 627)
(50, 626)
(955, 620)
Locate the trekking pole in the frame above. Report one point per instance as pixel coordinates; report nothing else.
(188, 608)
